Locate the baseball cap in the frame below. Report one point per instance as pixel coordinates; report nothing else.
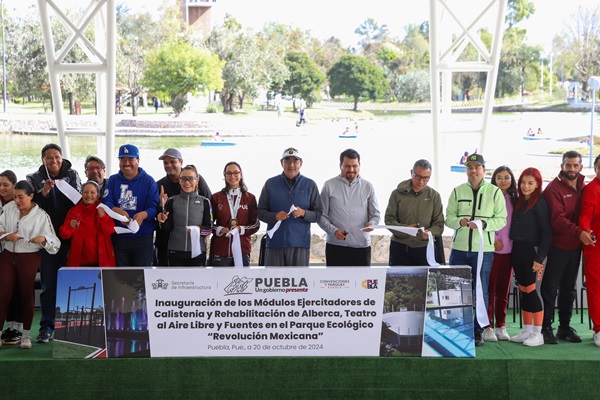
(291, 152)
(171, 153)
(129, 150)
(475, 158)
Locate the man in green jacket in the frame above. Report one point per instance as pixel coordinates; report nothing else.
(414, 204)
(476, 200)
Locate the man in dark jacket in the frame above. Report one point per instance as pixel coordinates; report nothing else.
(563, 196)
(52, 200)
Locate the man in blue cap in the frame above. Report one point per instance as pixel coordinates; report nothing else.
(133, 193)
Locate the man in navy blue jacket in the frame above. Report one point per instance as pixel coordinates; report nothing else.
(133, 193)
(290, 244)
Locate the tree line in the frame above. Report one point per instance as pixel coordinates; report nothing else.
(161, 57)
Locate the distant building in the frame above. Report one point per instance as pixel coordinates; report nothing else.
(197, 14)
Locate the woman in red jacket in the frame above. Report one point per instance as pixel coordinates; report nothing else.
(89, 229)
(233, 208)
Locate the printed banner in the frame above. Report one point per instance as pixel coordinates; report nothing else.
(204, 312)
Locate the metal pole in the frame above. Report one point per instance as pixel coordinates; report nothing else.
(3, 61)
(592, 128)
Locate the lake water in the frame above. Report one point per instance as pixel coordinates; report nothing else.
(388, 146)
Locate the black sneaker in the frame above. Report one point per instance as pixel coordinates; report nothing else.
(12, 337)
(43, 337)
(548, 334)
(567, 333)
(478, 339)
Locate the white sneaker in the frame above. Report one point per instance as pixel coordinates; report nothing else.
(521, 337)
(597, 338)
(489, 335)
(536, 339)
(501, 333)
(26, 342)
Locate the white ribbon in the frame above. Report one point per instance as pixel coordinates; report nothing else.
(412, 231)
(236, 248)
(481, 309)
(68, 190)
(272, 231)
(132, 225)
(195, 238)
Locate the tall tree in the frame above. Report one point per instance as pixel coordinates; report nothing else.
(177, 68)
(583, 38)
(305, 79)
(136, 36)
(356, 77)
(250, 63)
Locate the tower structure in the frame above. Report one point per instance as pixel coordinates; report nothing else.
(197, 14)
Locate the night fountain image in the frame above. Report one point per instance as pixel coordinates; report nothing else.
(126, 314)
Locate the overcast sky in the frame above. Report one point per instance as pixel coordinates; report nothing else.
(326, 18)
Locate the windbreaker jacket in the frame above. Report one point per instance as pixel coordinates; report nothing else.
(406, 207)
(348, 206)
(246, 217)
(187, 209)
(564, 202)
(91, 242)
(486, 204)
(589, 218)
(36, 223)
(134, 196)
(56, 204)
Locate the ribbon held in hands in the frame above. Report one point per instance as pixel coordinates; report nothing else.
(132, 225)
(272, 231)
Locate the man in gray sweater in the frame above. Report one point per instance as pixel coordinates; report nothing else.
(349, 210)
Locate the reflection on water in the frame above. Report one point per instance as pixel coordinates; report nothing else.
(119, 347)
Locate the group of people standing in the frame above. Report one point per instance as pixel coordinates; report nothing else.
(51, 220)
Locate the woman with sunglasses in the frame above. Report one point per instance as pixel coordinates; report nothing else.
(25, 230)
(187, 220)
(234, 208)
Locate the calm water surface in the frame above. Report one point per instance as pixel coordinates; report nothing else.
(388, 147)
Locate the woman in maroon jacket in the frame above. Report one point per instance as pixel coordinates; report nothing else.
(90, 230)
(234, 208)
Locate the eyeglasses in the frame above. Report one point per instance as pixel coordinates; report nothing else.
(187, 178)
(290, 161)
(94, 168)
(421, 178)
(230, 173)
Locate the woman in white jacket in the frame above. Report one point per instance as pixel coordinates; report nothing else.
(25, 229)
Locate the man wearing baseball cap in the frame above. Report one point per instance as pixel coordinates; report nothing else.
(169, 186)
(293, 201)
(476, 200)
(133, 193)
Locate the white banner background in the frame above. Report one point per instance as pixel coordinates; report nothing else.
(226, 320)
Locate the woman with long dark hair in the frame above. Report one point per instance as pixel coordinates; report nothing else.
(14, 325)
(501, 272)
(25, 229)
(531, 234)
(234, 208)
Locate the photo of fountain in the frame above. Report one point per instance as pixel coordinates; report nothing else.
(126, 315)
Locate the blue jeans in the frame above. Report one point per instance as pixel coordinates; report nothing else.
(133, 252)
(458, 257)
